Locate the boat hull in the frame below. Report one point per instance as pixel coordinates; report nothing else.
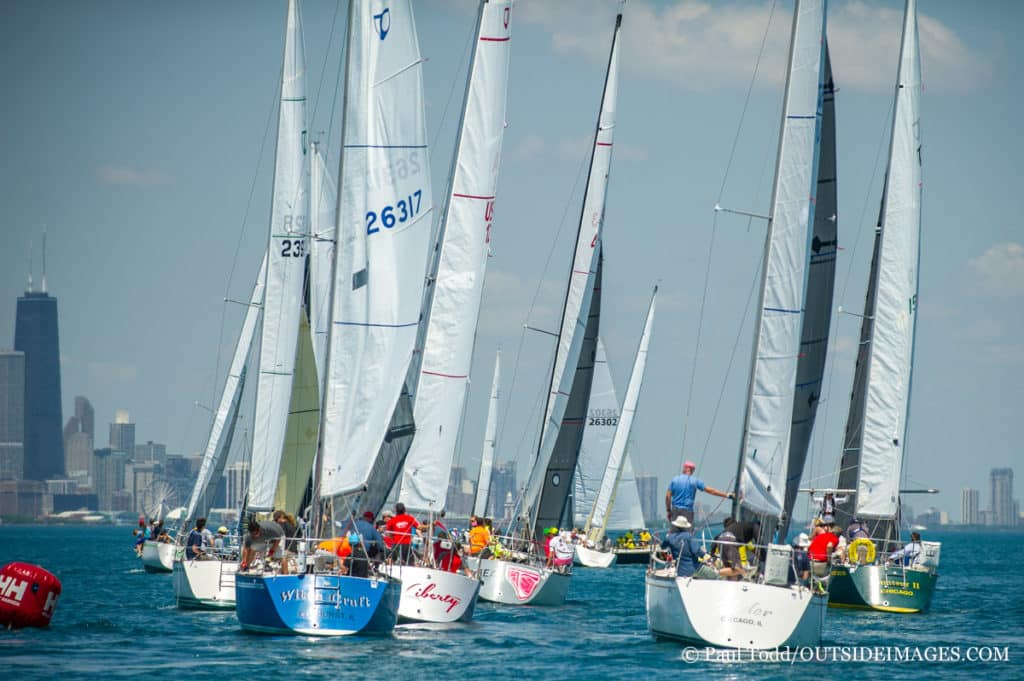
(518, 584)
(593, 558)
(157, 556)
(879, 587)
(316, 604)
(732, 614)
(205, 584)
(641, 556)
(433, 595)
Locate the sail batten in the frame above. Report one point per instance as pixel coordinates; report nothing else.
(286, 269)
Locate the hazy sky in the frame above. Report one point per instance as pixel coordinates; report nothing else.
(137, 133)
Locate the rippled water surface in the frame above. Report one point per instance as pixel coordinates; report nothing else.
(116, 621)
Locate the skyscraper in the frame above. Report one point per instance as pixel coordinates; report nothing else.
(503, 483)
(969, 507)
(12, 415)
(85, 416)
(647, 486)
(1001, 480)
(78, 443)
(35, 334)
(122, 432)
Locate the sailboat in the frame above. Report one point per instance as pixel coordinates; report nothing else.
(210, 584)
(440, 378)
(589, 552)
(380, 257)
(877, 424)
(765, 612)
(527, 580)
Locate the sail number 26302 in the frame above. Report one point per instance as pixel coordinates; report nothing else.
(389, 216)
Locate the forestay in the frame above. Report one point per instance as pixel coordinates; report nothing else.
(456, 280)
(384, 230)
(285, 273)
(222, 431)
(766, 435)
(575, 313)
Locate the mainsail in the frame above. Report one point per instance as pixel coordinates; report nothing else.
(384, 207)
(222, 430)
(766, 430)
(483, 485)
(454, 287)
(322, 224)
(286, 269)
(550, 480)
(876, 427)
(821, 279)
(598, 522)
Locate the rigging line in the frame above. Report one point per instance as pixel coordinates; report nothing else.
(746, 102)
(455, 82)
(323, 70)
(337, 85)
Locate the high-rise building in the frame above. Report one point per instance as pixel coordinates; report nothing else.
(139, 480)
(1001, 480)
(503, 484)
(79, 444)
(109, 479)
(151, 452)
(12, 415)
(459, 502)
(85, 415)
(969, 507)
(647, 487)
(35, 334)
(122, 432)
(237, 477)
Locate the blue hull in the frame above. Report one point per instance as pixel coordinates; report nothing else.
(316, 605)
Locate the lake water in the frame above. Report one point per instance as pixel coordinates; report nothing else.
(115, 621)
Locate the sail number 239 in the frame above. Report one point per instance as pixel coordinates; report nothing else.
(403, 211)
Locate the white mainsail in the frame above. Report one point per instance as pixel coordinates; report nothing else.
(455, 283)
(577, 308)
(285, 272)
(483, 485)
(598, 433)
(877, 426)
(766, 433)
(821, 279)
(597, 523)
(223, 428)
(322, 225)
(385, 203)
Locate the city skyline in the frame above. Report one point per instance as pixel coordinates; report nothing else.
(146, 202)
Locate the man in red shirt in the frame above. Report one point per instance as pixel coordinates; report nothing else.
(400, 529)
(822, 545)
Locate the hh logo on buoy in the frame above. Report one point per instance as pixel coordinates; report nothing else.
(28, 595)
(12, 590)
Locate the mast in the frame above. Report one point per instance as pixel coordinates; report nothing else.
(888, 361)
(821, 277)
(483, 485)
(584, 278)
(761, 478)
(439, 373)
(286, 269)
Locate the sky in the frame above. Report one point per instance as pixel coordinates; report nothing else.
(139, 136)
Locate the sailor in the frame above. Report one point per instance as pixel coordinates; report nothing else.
(400, 529)
(682, 492)
(684, 547)
(220, 542)
(479, 537)
(561, 553)
(264, 535)
(800, 567)
(196, 544)
(910, 554)
(726, 546)
(549, 535)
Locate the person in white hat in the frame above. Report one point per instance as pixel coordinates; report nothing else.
(800, 566)
(685, 549)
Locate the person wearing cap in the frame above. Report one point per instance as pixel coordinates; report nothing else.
(141, 535)
(800, 566)
(560, 550)
(220, 542)
(682, 492)
(685, 548)
(357, 562)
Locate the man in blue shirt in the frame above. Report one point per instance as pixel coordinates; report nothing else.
(684, 547)
(682, 492)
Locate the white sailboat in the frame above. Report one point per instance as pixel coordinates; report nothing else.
(483, 485)
(547, 490)
(766, 613)
(380, 255)
(210, 584)
(590, 552)
(877, 425)
(439, 374)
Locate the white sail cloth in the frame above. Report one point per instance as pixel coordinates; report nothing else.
(323, 221)
(483, 485)
(456, 286)
(285, 273)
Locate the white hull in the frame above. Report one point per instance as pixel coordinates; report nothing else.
(205, 584)
(157, 556)
(732, 614)
(593, 558)
(519, 584)
(433, 595)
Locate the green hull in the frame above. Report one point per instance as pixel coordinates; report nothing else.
(879, 587)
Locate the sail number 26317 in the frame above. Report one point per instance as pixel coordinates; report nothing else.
(389, 216)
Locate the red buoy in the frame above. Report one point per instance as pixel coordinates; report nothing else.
(28, 595)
